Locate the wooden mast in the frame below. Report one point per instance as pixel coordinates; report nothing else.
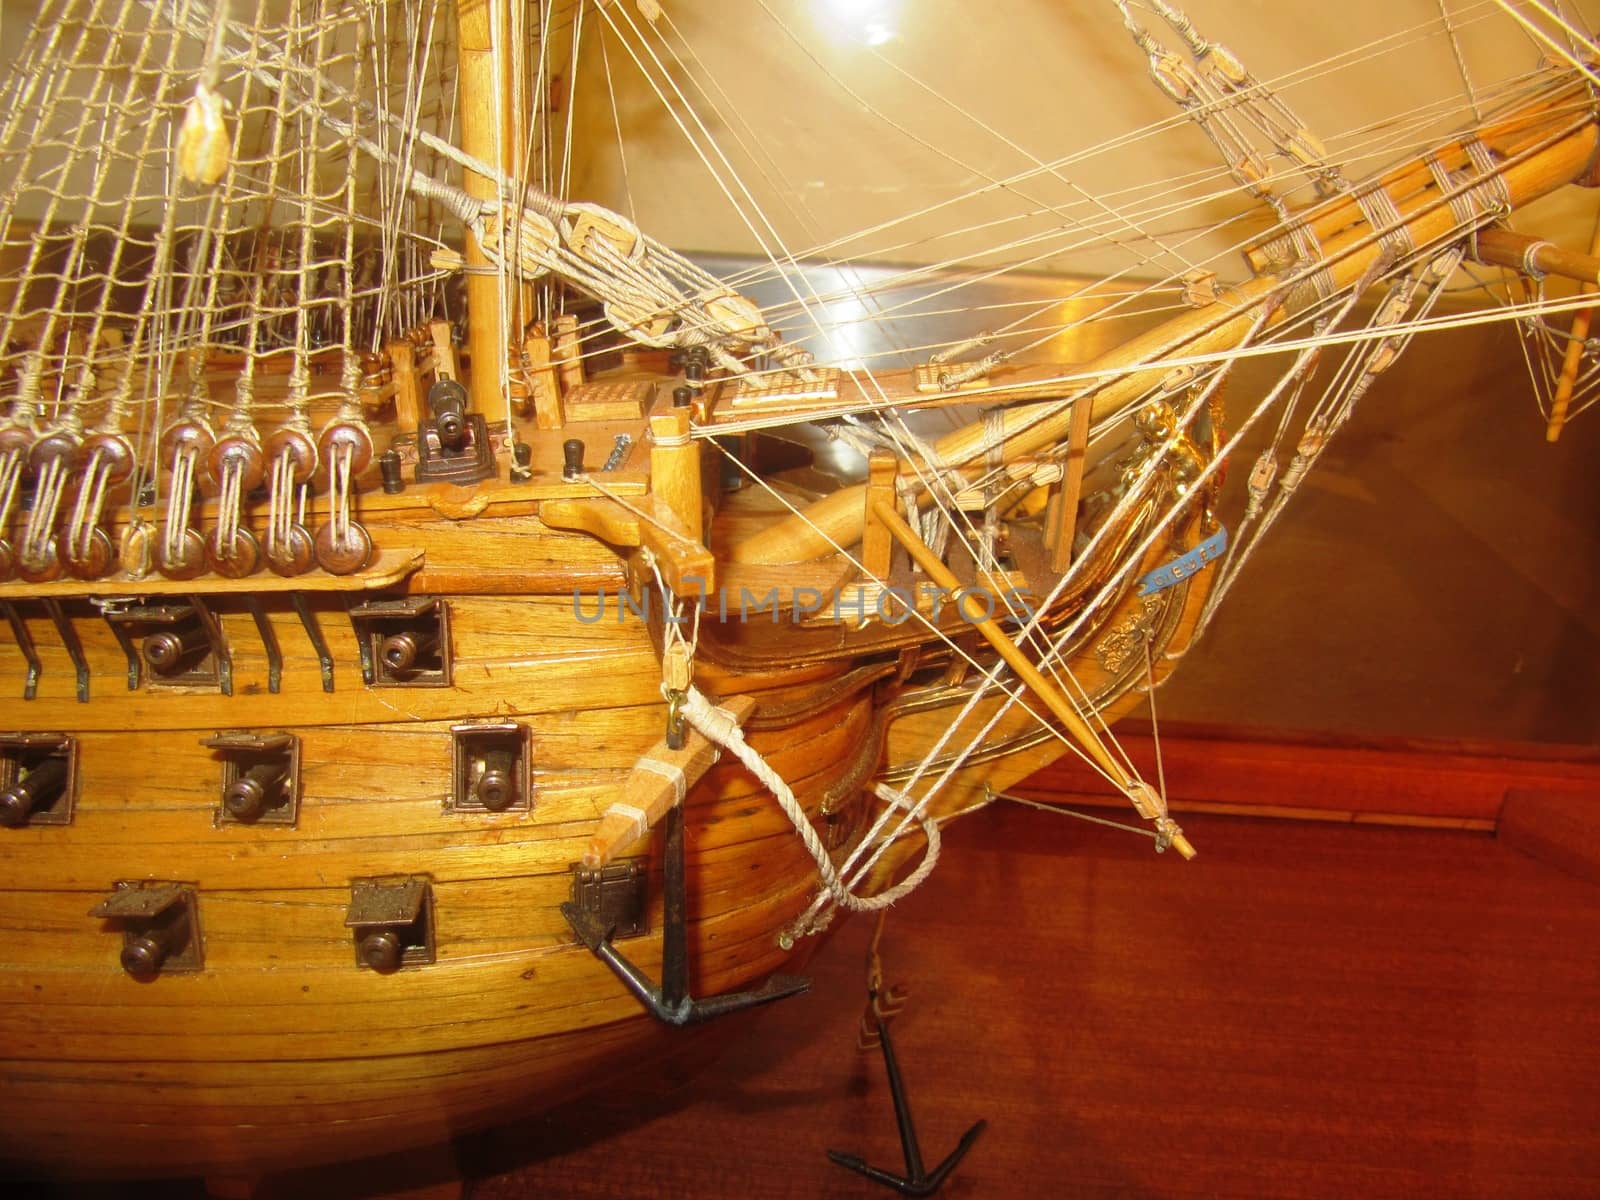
(492, 132)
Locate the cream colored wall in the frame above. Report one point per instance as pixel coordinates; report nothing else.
(841, 132)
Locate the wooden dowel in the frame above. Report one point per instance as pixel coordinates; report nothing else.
(1518, 251)
(877, 544)
(650, 789)
(1065, 527)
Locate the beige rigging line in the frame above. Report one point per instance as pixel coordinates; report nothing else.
(1422, 120)
(1146, 801)
(1566, 52)
(1388, 44)
(742, 191)
(235, 462)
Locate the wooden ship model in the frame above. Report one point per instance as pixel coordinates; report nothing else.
(445, 655)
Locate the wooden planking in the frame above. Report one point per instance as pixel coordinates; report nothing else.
(172, 834)
(481, 996)
(347, 771)
(247, 966)
(526, 647)
(723, 940)
(444, 1006)
(511, 554)
(264, 931)
(513, 655)
(510, 905)
(432, 1097)
(503, 688)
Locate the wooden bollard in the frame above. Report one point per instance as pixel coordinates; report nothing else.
(568, 353)
(541, 377)
(444, 350)
(675, 469)
(407, 389)
(1062, 525)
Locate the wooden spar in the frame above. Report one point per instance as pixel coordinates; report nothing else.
(1061, 525)
(1405, 182)
(1019, 662)
(484, 75)
(1138, 364)
(1574, 356)
(1520, 252)
(652, 787)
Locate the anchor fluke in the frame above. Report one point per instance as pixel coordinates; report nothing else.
(917, 1181)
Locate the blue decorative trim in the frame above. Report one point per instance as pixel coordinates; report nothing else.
(1185, 565)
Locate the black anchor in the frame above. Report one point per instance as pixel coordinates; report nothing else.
(917, 1180)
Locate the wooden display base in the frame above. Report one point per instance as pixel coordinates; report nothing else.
(425, 1173)
(1390, 781)
(1554, 828)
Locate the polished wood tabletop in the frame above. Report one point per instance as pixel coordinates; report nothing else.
(1307, 1010)
(1304, 1011)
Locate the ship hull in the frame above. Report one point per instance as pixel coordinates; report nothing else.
(282, 1049)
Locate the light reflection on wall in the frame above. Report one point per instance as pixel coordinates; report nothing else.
(878, 317)
(848, 337)
(867, 22)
